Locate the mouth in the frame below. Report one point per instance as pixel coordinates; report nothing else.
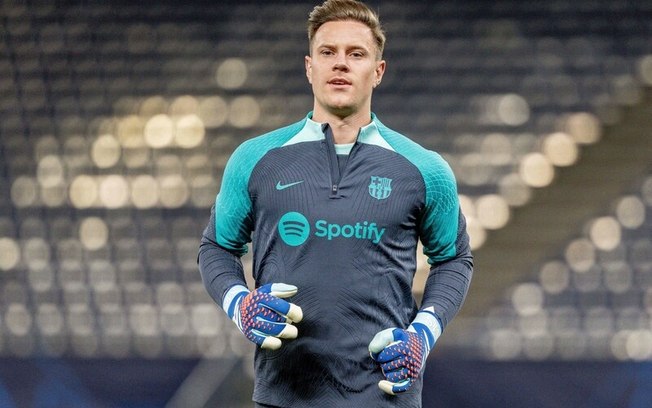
(339, 81)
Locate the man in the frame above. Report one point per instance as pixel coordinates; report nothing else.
(335, 205)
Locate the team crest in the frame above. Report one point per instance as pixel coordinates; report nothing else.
(380, 187)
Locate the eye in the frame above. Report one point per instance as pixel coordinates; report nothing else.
(326, 52)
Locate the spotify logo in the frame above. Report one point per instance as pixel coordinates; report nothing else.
(294, 228)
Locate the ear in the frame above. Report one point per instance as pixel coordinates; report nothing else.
(380, 70)
(308, 63)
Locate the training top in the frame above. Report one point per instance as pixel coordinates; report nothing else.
(341, 223)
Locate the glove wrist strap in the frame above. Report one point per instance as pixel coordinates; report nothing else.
(427, 323)
(232, 299)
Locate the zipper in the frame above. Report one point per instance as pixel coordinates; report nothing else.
(335, 174)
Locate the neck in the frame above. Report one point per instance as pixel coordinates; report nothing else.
(345, 129)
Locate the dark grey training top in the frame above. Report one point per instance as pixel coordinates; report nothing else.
(346, 236)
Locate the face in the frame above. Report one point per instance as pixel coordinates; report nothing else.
(343, 69)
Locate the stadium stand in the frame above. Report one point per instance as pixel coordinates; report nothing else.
(117, 122)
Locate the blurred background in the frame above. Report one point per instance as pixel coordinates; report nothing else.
(116, 121)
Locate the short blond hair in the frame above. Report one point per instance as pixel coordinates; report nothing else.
(340, 10)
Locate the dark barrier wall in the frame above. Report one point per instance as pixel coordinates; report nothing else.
(451, 383)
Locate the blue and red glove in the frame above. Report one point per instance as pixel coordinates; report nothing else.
(402, 353)
(262, 315)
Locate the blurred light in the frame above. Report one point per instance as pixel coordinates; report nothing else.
(93, 233)
(114, 191)
(203, 191)
(630, 212)
(102, 278)
(589, 280)
(560, 149)
(152, 106)
(41, 279)
(75, 152)
(646, 191)
(514, 190)
(231, 73)
(36, 253)
(639, 345)
(554, 277)
(105, 151)
(477, 234)
(190, 131)
(505, 344)
(49, 319)
(18, 319)
(24, 191)
(205, 320)
(168, 165)
(536, 171)
(618, 279)
(130, 132)
(626, 90)
(583, 127)
(144, 191)
(55, 195)
(174, 191)
(244, 112)
(46, 146)
(174, 320)
(10, 254)
(467, 206)
(159, 131)
(184, 105)
(50, 171)
(645, 69)
(605, 233)
(169, 293)
(492, 211)
(527, 299)
(535, 324)
(143, 320)
(513, 110)
(83, 191)
(497, 149)
(580, 255)
(474, 169)
(213, 111)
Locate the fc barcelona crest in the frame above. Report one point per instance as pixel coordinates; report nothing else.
(380, 187)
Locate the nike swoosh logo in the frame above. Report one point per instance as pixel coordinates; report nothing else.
(280, 186)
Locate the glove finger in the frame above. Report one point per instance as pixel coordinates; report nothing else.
(397, 375)
(381, 340)
(267, 328)
(271, 343)
(282, 290)
(283, 308)
(393, 352)
(393, 365)
(394, 388)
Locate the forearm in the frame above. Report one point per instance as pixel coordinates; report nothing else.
(220, 269)
(448, 282)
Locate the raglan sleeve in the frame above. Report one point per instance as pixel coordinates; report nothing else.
(446, 244)
(225, 238)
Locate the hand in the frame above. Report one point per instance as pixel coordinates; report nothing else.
(264, 317)
(402, 355)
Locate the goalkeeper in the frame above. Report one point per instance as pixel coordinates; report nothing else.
(334, 207)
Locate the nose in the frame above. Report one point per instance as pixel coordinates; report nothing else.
(340, 63)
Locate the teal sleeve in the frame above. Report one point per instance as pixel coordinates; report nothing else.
(439, 221)
(233, 216)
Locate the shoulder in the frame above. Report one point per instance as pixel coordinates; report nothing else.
(429, 163)
(245, 156)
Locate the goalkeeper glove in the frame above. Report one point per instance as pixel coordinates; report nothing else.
(402, 353)
(262, 315)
